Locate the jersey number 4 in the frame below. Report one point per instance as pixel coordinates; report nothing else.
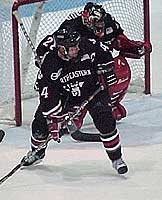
(45, 92)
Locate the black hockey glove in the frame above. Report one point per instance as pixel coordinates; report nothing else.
(107, 74)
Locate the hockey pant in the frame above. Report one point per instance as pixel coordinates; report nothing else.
(101, 113)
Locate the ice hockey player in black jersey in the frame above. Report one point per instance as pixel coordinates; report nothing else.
(69, 75)
(94, 23)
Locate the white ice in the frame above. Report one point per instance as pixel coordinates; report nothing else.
(75, 170)
(82, 171)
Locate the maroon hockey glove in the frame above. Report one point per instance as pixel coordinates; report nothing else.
(79, 119)
(54, 126)
(147, 47)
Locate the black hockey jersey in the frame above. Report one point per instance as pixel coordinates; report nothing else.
(74, 79)
(112, 30)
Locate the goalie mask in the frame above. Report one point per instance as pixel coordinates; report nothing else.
(68, 41)
(93, 17)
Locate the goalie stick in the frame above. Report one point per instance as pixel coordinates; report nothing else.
(18, 18)
(2, 134)
(71, 117)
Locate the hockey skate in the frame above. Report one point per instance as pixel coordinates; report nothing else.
(120, 166)
(32, 158)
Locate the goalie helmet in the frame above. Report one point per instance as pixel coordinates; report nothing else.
(93, 17)
(67, 37)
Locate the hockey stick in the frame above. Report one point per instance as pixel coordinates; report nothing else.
(18, 18)
(82, 106)
(77, 134)
(71, 117)
(17, 167)
(2, 134)
(86, 137)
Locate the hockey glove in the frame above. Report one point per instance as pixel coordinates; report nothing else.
(53, 123)
(69, 124)
(107, 74)
(53, 128)
(77, 122)
(57, 125)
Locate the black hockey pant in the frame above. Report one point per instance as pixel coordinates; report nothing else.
(101, 113)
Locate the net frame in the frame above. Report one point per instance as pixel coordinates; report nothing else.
(16, 54)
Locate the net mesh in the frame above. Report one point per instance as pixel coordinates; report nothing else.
(44, 18)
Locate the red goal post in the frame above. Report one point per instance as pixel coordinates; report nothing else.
(44, 17)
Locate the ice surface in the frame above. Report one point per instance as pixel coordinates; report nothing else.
(81, 171)
(75, 170)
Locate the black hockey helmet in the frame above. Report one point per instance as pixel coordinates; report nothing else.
(92, 14)
(67, 37)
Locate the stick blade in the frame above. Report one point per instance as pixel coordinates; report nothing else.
(2, 134)
(85, 137)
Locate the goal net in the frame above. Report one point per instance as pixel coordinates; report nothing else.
(40, 18)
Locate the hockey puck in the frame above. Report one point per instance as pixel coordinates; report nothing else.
(2, 134)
